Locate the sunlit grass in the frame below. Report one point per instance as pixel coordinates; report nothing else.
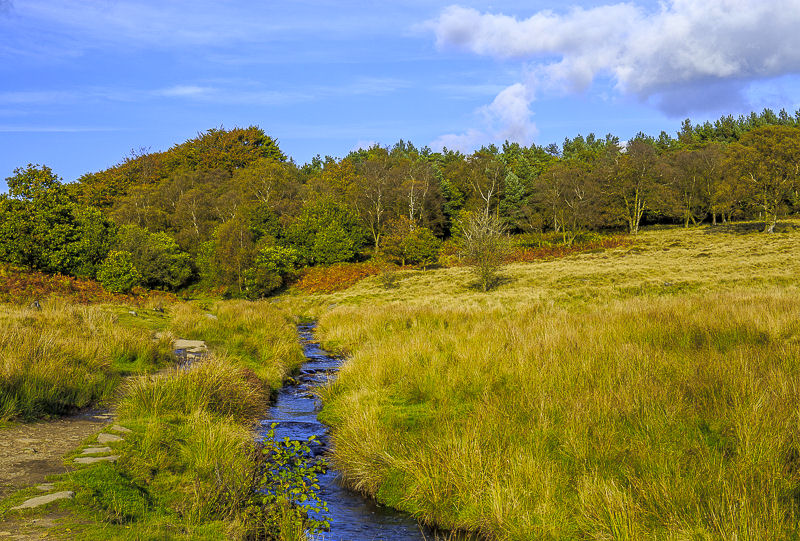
(67, 356)
(644, 392)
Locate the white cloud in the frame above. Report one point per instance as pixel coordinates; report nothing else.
(507, 118)
(687, 54)
(464, 142)
(185, 91)
(509, 115)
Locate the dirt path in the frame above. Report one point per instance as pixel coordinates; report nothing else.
(30, 452)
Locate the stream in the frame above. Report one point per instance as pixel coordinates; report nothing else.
(352, 517)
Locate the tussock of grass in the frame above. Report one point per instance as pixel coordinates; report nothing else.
(217, 386)
(253, 334)
(67, 356)
(191, 454)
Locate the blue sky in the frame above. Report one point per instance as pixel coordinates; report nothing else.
(83, 82)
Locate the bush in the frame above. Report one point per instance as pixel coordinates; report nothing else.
(118, 273)
(274, 266)
(421, 247)
(157, 257)
(483, 247)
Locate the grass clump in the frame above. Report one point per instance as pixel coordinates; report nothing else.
(251, 334)
(191, 454)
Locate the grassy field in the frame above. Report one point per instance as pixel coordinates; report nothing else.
(646, 391)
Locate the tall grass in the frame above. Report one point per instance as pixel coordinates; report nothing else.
(191, 454)
(67, 356)
(668, 417)
(254, 334)
(645, 392)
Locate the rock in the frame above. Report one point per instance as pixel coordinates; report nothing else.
(159, 309)
(108, 438)
(94, 459)
(43, 500)
(120, 429)
(134, 314)
(211, 316)
(35, 305)
(189, 345)
(96, 450)
(45, 487)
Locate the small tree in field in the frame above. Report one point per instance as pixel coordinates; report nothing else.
(483, 247)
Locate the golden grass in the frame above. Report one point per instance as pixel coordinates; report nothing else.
(255, 334)
(660, 262)
(646, 392)
(67, 356)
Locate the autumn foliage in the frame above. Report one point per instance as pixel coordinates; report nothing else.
(528, 255)
(336, 277)
(24, 286)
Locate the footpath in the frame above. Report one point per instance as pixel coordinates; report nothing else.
(31, 452)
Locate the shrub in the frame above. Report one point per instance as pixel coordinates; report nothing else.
(157, 257)
(483, 247)
(421, 247)
(274, 266)
(118, 273)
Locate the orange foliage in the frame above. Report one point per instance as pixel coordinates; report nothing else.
(336, 277)
(527, 255)
(21, 286)
(344, 275)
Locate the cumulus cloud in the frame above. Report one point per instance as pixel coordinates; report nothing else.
(507, 118)
(686, 54)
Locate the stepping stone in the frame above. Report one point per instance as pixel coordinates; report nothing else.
(108, 438)
(95, 459)
(46, 487)
(191, 346)
(120, 429)
(96, 450)
(42, 500)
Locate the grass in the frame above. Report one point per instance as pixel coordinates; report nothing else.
(253, 334)
(67, 356)
(189, 469)
(659, 262)
(646, 391)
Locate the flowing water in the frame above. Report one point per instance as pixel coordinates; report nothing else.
(352, 517)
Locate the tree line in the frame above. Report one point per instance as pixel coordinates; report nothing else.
(229, 210)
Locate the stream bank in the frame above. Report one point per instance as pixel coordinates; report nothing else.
(352, 517)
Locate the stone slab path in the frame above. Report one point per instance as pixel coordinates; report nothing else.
(30, 452)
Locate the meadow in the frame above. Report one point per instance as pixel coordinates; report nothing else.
(649, 390)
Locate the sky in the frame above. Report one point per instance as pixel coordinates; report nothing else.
(83, 83)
